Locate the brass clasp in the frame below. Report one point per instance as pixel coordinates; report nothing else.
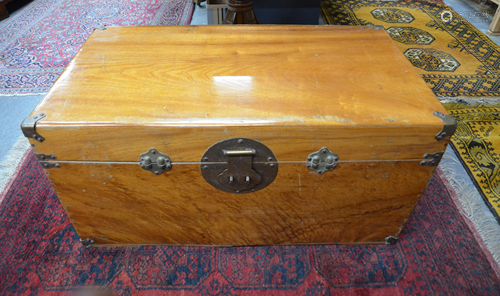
(239, 175)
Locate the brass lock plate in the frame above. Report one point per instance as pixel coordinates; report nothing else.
(239, 165)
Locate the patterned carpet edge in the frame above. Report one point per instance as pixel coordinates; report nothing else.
(469, 101)
(21, 94)
(471, 206)
(9, 168)
(191, 13)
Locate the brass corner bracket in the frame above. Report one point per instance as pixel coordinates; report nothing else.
(449, 125)
(28, 126)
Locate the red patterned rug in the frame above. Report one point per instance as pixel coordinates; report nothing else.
(437, 254)
(38, 42)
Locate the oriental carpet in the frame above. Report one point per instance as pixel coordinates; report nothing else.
(477, 143)
(452, 56)
(456, 60)
(37, 43)
(437, 254)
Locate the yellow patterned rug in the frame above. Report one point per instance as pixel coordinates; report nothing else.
(453, 57)
(477, 144)
(456, 60)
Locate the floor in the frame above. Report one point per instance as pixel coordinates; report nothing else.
(13, 109)
(12, 112)
(480, 15)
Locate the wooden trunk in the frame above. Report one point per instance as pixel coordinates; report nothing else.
(294, 89)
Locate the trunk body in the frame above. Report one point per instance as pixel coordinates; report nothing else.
(273, 98)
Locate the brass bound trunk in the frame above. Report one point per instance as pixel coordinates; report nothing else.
(239, 135)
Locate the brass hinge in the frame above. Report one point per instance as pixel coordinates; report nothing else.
(432, 159)
(322, 161)
(449, 125)
(44, 160)
(45, 157)
(155, 161)
(28, 126)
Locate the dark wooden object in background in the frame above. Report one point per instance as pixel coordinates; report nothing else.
(8, 7)
(240, 12)
(198, 2)
(3, 9)
(292, 12)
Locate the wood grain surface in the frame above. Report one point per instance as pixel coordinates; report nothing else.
(124, 204)
(309, 80)
(187, 144)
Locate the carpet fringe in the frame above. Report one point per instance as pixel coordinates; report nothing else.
(10, 165)
(468, 101)
(21, 94)
(473, 206)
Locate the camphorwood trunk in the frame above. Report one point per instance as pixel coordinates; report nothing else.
(294, 89)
